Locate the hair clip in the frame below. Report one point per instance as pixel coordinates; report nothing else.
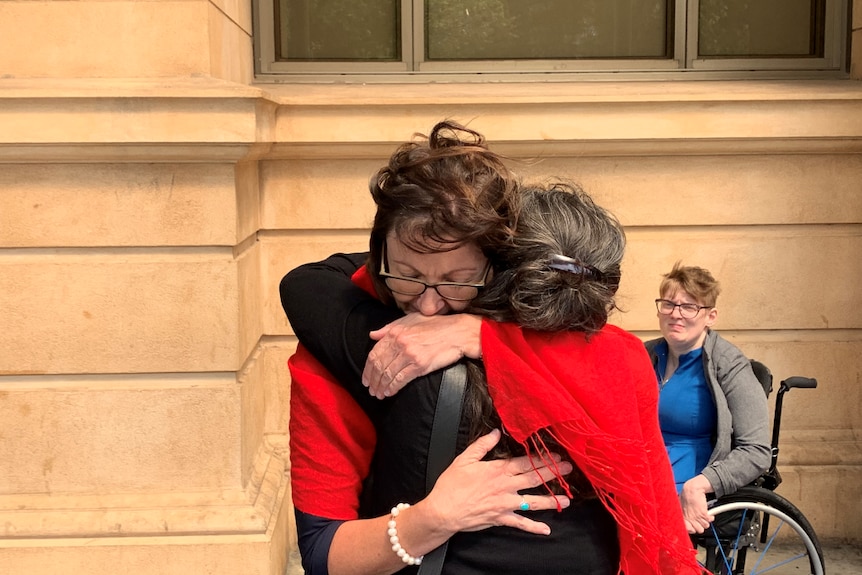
(567, 264)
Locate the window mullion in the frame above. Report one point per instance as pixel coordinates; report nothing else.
(417, 34)
(835, 45)
(692, 27)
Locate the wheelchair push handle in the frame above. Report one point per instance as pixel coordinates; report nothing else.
(799, 382)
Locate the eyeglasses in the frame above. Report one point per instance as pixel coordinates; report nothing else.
(686, 310)
(454, 291)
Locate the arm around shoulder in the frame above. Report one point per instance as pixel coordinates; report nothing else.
(309, 290)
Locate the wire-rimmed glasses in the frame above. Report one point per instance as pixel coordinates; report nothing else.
(455, 291)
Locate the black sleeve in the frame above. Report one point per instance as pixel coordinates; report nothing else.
(314, 538)
(332, 317)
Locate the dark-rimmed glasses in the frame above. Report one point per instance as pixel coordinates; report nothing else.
(686, 310)
(454, 291)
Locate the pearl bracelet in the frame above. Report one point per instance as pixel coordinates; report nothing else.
(393, 537)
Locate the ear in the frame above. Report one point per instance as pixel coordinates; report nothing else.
(711, 317)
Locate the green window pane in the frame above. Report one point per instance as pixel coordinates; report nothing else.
(338, 30)
(761, 28)
(536, 29)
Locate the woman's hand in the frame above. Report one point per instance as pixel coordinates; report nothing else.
(693, 500)
(416, 345)
(473, 494)
(469, 496)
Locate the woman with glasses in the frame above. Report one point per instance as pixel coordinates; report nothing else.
(547, 260)
(712, 409)
(442, 203)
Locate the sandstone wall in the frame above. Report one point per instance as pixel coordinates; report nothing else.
(152, 196)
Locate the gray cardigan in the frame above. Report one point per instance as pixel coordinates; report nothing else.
(742, 449)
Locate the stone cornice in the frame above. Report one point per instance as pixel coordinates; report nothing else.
(203, 119)
(133, 120)
(605, 92)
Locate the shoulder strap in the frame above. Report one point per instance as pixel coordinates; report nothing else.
(443, 447)
(447, 418)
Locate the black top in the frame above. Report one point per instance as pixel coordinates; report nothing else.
(332, 318)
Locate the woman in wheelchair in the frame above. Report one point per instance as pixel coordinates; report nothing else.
(712, 409)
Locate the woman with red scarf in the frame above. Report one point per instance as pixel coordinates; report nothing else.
(447, 182)
(567, 383)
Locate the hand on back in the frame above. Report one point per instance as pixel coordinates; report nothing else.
(473, 494)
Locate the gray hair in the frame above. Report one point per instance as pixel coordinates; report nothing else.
(560, 269)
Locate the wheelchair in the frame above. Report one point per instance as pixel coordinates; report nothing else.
(756, 530)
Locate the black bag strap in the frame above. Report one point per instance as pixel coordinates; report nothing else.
(443, 447)
(447, 419)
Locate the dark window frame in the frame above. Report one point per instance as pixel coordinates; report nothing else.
(684, 62)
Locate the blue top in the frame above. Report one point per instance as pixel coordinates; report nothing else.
(687, 414)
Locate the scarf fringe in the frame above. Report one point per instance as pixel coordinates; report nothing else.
(624, 497)
(598, 400)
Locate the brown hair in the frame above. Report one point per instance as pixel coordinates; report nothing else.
(697, 282)
(444, 188)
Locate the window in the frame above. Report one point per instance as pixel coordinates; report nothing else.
(462, 37)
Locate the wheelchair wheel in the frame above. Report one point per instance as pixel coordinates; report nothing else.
(758, 531)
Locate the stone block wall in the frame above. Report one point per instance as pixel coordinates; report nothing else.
(127, 39)
(760, 185)
(133, 381)
(151, 197)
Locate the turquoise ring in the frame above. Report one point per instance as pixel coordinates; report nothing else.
(524, 506)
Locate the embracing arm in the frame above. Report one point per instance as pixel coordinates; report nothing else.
(470, 495)
(314, 538)
(416, 345)
(332, 316)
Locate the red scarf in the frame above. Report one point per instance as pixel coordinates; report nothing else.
(599, 399)
(331, 438)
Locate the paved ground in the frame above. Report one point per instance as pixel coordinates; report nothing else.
(843, 559)
(840, 560)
